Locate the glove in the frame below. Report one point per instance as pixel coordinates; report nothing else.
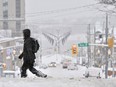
(20, 56)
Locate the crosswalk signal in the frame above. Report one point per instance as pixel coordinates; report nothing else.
(110, 42)
(74, 49)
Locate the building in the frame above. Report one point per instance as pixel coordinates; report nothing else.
(12, 16)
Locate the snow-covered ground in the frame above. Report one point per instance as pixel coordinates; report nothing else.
(57, 82)
(59, 77)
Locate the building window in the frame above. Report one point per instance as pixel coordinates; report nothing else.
(5, 25)
(18, 25)
(18, 8)
(5, 8)
(5, 14)
(5, 4)
(4, 1)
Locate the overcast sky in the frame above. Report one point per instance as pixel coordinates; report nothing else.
(39, 10)
(34, 7)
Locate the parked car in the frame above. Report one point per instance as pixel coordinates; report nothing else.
(43, 66)
(65, 65)
(72, 67)
(52, 64)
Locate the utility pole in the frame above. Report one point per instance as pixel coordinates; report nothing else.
(94, 43)
(88, 40)
(106, 56)
(113, 75)
(58, 42)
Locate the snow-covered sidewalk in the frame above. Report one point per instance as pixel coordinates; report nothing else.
(57, 82)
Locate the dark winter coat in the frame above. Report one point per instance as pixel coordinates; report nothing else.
(28, 55)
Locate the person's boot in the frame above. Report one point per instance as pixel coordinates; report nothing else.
(40, 74)
(44, 76)
(23, 76)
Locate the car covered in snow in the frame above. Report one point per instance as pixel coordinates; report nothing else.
(43, 66)
(52, 64)
(72, 67)
(65, 65)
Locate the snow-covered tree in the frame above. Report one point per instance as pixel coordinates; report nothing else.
(108, 2)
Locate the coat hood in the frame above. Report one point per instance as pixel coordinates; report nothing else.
(26, 33)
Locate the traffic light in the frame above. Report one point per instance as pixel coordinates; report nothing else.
(74, 49)
(110, 42)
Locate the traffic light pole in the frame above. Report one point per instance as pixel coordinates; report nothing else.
(106, 55)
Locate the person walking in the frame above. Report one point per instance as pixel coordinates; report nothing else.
(28, 56)
(87, 72)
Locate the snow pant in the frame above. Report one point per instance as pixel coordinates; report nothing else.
(29, 66)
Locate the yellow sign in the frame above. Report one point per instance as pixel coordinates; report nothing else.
(110, 42)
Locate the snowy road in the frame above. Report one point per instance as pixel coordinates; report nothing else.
(60, 72)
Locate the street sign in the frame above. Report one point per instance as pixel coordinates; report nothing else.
(83, 44)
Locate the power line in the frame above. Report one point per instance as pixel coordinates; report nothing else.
(61, 10)
(57, 15)
(65, 15)
(76, 17)
(35, 23)
(58, 11)
(49, 12)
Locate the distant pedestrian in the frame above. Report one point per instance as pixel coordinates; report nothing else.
(28, 56)
(98, 77)
(86, 72)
